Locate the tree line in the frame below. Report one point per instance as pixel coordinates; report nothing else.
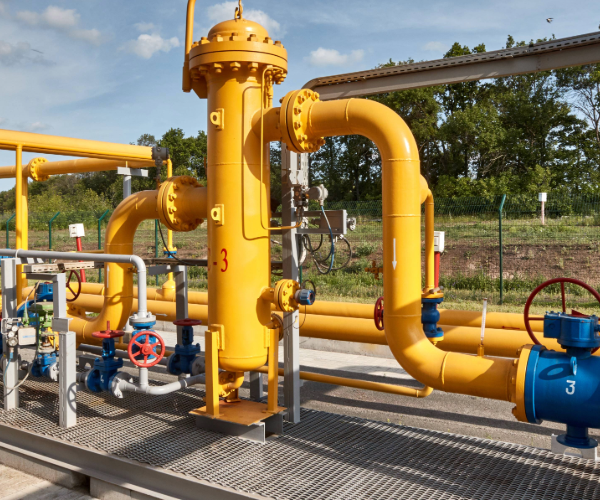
(516, 135)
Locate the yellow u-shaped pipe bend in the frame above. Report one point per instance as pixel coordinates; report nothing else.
(402, 197)
(181, 212)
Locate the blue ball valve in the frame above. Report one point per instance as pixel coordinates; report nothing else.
(563, 387)
(305, 297)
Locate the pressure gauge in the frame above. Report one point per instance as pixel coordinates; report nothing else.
(11, 339)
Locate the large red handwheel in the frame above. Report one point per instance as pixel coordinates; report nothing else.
(545, 284)
(187, 322)
(378, 314)
(78, 277)
(142, 351)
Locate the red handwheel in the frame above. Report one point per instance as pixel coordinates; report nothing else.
(378, 314)
(75, 295)
(562, 282)
(142, 349)
(187, 322)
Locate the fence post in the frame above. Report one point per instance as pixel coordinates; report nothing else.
(50, 230)
(100, 241)
(500, 247)
(7, 223)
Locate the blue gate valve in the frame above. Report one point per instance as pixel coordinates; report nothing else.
(182, 360)
(105, 368)
(430, 316)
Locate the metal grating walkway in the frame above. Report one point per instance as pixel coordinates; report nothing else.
(326, 456)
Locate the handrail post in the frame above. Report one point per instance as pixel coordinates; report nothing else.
(50, 230)
(7, 226)
(100, 240)
(500, 247)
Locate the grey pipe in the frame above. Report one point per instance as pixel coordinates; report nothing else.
(122, 383)
(92, 257)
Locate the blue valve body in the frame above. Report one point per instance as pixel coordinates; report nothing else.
(105, 368)
(430, 316)
(42, 364)
(306, 297)
(564, 387)
(183, 358)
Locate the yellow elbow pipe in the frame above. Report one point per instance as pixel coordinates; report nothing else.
(451, 372)
(120, 232)
(118, 278)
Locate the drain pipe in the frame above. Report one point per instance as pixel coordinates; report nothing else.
(123, 382)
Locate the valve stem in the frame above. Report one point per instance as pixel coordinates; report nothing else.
(480, 349)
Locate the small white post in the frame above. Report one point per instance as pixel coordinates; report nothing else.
(542, 199)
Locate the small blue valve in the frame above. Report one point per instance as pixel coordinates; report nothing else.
(305, 297)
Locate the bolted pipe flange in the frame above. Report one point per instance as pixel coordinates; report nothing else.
(172, 210)
(285, 295)
(294, 121)
(34, 173)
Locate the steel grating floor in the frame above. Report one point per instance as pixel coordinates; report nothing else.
(326, 456)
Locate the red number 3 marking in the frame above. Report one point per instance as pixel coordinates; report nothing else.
(224, 253)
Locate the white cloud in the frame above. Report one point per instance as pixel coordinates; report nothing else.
(3, 8)
(92, 36)
(36, 127)
(147, 45)
(19, 52)
(435, 47)
(226, 10)
(62, 20)
(332, 57)
(141, 27)
(53, 17)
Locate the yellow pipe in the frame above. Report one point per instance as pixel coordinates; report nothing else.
(502, 343)
(352, 310)
(118, 278)
(117, 294)
(20, 211)
(39, 143)
(451, 372)
(399, 390)
(44, 168)
(170, 284)
(429, 248)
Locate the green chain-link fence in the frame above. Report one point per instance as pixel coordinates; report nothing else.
(568, 244)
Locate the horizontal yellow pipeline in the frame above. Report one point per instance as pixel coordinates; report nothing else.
(498, 320)
(398, 390)
(502, 343)
(40, 143)
(81, 165)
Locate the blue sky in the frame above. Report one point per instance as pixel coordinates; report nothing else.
(111, 69)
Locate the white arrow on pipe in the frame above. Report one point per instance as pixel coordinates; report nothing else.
(394, 262)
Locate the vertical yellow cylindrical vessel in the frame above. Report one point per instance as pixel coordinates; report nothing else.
(228, 68)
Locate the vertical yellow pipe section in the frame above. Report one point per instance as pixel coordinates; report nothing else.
(429, 253)
(19, 211)
(227, 67)
(451, 372)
